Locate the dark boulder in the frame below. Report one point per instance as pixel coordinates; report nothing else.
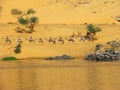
(104, 56)
(63, 57)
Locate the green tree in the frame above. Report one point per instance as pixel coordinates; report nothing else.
(92, 29)
(26, 18)
(17, 49)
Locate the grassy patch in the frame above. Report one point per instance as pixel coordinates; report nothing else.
(9, 59)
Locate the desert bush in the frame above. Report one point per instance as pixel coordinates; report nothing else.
(17, 49)
(26, 18)
(9, 58)
(92, 29)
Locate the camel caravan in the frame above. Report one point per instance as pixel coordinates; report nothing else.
(89, 36)
(71, 38)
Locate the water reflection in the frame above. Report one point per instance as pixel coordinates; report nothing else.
(86, 77)
(94, 78)
(27, 79)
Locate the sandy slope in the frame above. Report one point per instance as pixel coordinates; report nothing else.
(77, 49)
(65, 11)
(54, 17)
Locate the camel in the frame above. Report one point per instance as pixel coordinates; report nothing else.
(54, 42)
(40, 40)
(73, 35)
(81, 38)
(70, 39)
(7, 40)
(31, 39)
(61, 40)
(76, 35)
(51, 40)
(19, 40)
(89, 38)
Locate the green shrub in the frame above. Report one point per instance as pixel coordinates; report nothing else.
(93, 29)
(9, 59)
(17, 49)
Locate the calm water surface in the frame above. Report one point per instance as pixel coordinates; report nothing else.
(59, 75)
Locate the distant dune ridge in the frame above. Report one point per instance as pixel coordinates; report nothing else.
(65, 11)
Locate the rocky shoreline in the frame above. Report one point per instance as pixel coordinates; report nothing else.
(110, 55)
(63, 57)
(107, 54)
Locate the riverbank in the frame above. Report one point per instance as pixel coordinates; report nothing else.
(78, 49)
(54, 64)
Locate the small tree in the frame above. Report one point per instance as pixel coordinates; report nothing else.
(92, 29)
(26, 18)
(17, 49)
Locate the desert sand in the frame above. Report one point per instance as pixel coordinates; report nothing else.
(59, 18)
(65, 11)
(41, 50)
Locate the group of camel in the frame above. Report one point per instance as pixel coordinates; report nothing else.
(60, 39)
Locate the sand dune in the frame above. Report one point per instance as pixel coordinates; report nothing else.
(60, 18)
(39, 50)
(61, 11)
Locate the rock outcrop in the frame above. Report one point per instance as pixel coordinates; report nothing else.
(110, 54)
(63, 57)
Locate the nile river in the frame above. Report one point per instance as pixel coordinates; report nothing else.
(59, 75)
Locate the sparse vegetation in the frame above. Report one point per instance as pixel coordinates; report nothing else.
(17, 49)
(9, 58)
(92, 29)
(26, 18)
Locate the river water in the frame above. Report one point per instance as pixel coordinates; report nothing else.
(59, 75)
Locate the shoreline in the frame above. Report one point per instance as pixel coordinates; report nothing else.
(36, 50)
(21, 64)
